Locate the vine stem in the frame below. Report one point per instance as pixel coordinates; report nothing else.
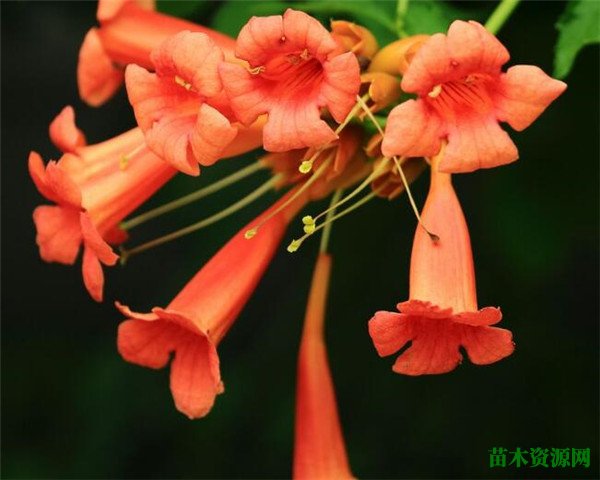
(500, 15)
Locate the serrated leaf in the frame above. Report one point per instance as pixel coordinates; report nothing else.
(578, 26)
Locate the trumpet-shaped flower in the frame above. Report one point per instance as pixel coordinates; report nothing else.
(129, 32)
(94, 188)
(319, 450)
(296, 68)
(181, 107)
(198, 318)
(462, 95)
(441, 314)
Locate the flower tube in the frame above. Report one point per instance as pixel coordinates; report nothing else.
(319, 450)
(441, 314)
(129, 31)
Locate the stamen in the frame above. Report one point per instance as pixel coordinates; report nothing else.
(194, 196)
(435, 91)
(328, 222)
(182, 83)
(432, 235)
(365, 183)
(257, 70)
(296, 244)
(251, 197)
(315, 176)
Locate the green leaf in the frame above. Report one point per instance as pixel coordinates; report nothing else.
(578, 26)
(433, 16)
(190, 9)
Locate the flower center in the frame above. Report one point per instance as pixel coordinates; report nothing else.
(293, 73)
(469, 95)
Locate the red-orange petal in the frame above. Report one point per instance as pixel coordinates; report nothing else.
(97, 77)
(412, 130)
(341, 85)
(474, 142)
(64, 133)
(93, 277)
(468, 48)
(523, 93)
(58, 233)
(94, 241)
(37, 172)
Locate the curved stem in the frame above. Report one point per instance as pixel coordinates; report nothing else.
(500, 15)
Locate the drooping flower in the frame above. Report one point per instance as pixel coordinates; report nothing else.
(129, 32)
(94, 189)
(319, 450)
(441, 314)
(462, 95)
(196, 321)
(181, 108)
(296, 68)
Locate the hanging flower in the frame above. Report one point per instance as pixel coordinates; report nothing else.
(181, 108)
(441, 314)
(196, 321)
(295, 69)
(129, 31)
(319, 450)
(462, 95)
(94, 187)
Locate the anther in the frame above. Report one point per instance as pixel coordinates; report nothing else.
(306, 166)
(294, 245)
(435, 91)
(250, 233)
(308, 220)
(182, 83)
(256, 70)
(123, 162)
(309, 229)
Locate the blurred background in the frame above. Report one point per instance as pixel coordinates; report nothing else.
(71, 408)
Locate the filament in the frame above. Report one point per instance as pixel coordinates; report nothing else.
(314, 177)
(432, 235)
(295, 244)
(251, 197)
(194, 196)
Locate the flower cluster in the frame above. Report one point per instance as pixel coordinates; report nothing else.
(309, 97)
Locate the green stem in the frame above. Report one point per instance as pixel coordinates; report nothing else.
(500, 15)
(401, 9)
(328, 223)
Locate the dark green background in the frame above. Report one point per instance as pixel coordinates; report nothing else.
(71, 408)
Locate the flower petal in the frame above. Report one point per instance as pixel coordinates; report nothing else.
(523, 93)
(302, 30)
(93, 277)
(94, 241)
(434, 349)
(475, 142)
(58, 233)
(97, 77)
(259, 38)
(64, 133)
(66, 191)
(486, 345)
(148, 343)
(195, 376)
(193, 57)
(37, 172)
(341, 86)
(248, 100)
(211, 135)
(390, 332)
(412, 130)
